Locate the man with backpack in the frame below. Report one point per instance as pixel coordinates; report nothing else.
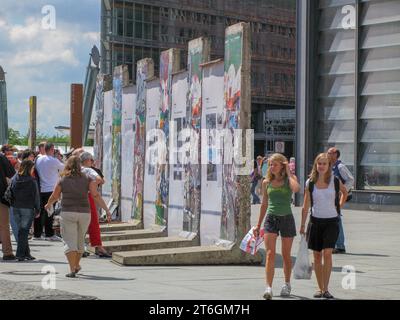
(342, 172)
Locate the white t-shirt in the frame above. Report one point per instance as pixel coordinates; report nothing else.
(324, 201)
(49, 169)
(90, 173)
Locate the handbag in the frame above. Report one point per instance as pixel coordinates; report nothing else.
(7, 198)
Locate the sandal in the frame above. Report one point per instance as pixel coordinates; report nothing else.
(318, 294)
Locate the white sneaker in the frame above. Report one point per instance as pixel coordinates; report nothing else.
(53, 238)
(286, 289)
(268, 293)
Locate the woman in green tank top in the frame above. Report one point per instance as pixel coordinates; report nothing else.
(278, 186)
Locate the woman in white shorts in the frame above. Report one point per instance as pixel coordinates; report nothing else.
(75, 216)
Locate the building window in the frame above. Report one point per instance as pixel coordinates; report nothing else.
(139, 30)
(138, 12)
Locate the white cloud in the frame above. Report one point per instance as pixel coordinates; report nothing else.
(42, 62)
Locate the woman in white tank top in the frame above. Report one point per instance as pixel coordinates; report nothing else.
(323, 228)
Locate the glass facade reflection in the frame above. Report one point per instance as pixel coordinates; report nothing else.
(357, 88)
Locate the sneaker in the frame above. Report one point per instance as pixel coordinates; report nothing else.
(53, 238)
(9, 257)
(327, 295)
(268, 293)
(318, 294)
(286, 289)
(339, 251)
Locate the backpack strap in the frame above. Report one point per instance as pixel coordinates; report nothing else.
(337, 193)
(311, 189)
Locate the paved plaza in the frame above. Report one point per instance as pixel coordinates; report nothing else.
(373, 250)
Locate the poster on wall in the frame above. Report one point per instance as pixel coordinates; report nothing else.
(145, 70)
(107, 145)
(127, 129)
(232, 104)
(198, 53)
(211, 169)
(153, 100)
(176, 183)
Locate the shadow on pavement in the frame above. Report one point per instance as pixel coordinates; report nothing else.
(367, 255)
(87, 277)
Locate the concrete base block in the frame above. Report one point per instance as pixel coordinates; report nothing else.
(201, 255)
(148, 244)
(109, 227)
(132, 234)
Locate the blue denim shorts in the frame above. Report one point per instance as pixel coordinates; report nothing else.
(284, 226)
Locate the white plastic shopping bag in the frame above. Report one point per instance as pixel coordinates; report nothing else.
(250, 243)
(302, 268)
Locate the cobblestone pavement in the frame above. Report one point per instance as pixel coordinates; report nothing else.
(10, 290)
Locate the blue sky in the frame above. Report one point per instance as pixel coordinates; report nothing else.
(43, 62)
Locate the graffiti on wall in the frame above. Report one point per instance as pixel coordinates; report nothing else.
(232, 94)
(107, 145)
(145, 70)
(99, 114)
(198, 54)
(116, 133)
(168, 63)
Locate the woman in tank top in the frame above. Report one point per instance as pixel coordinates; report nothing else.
(277, 191)
(75, 215)
(326, 199)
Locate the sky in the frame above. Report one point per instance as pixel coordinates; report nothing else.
(42, 61)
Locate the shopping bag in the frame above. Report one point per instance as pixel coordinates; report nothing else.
(251, 243)
(302, 268)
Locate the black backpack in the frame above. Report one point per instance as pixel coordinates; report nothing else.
(337, 192)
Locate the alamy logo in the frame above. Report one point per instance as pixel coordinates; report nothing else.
(49, 19)
(349, 20)
(49, 280)
(349, 280)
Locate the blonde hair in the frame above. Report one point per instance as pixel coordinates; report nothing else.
(72, 167)
(278, 158)
(314, 175)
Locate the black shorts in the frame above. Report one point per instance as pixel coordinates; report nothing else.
(322, 233)
(283, 225)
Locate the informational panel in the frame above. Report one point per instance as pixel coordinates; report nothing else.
(128, 142)
(211, 169)
(107, 145)
(152, 117)
(176, 182)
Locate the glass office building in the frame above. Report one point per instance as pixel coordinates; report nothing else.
(134, 29)
(348, 93)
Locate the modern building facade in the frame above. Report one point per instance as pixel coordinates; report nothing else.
(134, 29)
(348, 93)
